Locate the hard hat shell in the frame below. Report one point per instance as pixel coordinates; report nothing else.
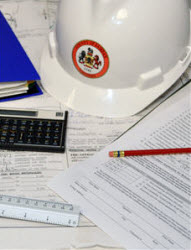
(113, 58)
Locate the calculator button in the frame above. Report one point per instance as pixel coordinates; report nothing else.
(46, 142)
(49, 124)
(20, 137)
(22, 128)
(20, 141)
(2, 139)
(39, 135)
(47, 135)
(5, 127)
(11, 139)
(24, 122)
(29, 141)
(55, 137)
(56, 129)
(39, 129)
(13, 128)
(30, 129)
(38, 141)
(6, 122)
(32, 123)
(30, 135)
(30, 132)
(12, 133)
(57, 124)
(48, 129)
(55, 142)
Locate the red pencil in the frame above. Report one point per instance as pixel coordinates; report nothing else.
(165, 151)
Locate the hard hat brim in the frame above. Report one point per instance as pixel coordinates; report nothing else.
(99, 101)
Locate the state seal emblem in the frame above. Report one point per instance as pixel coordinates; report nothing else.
(90, 59)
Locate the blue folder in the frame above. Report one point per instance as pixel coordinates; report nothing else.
(15, 65)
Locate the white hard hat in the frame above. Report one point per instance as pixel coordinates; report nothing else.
(114, 57)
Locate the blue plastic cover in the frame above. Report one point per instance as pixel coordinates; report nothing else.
(14, 62)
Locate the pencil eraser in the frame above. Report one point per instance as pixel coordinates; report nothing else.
(111, 154)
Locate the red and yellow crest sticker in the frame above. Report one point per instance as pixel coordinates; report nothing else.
(90, 59)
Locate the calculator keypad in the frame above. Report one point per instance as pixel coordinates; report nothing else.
(46, 135)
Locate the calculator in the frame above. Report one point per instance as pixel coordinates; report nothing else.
(33, 130)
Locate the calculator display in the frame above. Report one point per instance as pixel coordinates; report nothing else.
(18, 112)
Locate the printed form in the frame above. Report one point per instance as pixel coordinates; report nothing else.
(141, 202)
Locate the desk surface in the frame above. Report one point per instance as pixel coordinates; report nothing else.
(26, 174)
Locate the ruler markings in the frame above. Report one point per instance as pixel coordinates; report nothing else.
(39, 210)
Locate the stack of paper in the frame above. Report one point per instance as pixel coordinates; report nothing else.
(17, 74)
(14, 88)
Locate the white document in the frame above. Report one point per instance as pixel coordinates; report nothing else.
(25, 174)
(12, 93)
(14, 90)
(5, 85)
(142, 202)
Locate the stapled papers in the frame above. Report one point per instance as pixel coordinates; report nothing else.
(16, 69)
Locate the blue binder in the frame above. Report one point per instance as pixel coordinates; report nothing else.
(14, 62)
